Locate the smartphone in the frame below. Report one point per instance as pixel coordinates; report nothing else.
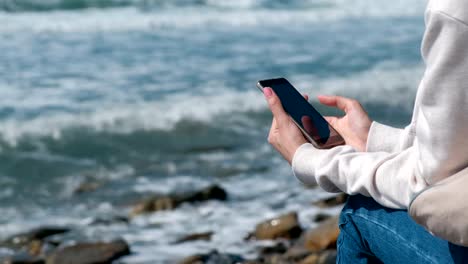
(312, 124)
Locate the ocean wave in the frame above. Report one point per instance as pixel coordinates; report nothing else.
(142, 116)
(50, 5)
(384, 85)
(130, 18)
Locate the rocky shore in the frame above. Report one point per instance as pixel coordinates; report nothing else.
(292, 242)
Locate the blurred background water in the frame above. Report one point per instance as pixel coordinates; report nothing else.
(159, 96)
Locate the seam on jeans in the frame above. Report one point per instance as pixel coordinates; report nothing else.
(339, 243)
(399, 236)
(352, 238)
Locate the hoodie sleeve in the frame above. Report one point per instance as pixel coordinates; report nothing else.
(439, 149)
(383, 138)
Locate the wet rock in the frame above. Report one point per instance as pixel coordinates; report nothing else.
(213, 192)
(279, 248)
(90, 253)
(154, 204)
(275, 259)
(325, 257)
(310, 247)
(160, 203)
(193, 237)
(39, 234)
(195, 259)
(87, 186)
(35, 247)
(304, 257)
(32, 241)
(110, 220)
(322, 237)
(22, 258)
(321, 217)
(213, 257)
(286, 226)
(296, 253)
(333, 201)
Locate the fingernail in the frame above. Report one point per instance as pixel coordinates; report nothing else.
(268, 92)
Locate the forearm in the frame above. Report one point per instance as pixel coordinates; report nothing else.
(390, 178)
(386, 138)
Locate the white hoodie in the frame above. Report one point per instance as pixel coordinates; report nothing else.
(399, 163)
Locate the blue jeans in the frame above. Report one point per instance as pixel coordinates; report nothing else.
(371, 233)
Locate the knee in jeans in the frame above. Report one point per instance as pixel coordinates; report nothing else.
(352, 205)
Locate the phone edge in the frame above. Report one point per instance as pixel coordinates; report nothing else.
(309, 139)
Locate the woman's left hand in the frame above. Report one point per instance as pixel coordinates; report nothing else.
(284, 135)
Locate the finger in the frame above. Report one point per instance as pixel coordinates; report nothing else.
(273, 128)
(306, 96)
(342, 103)
(331, 119)
(275, 106)
(309, 126)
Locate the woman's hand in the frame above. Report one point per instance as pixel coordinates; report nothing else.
(284, 135)
(354, 125)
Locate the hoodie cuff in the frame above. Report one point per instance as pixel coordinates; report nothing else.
(383, 138)
(303, 164)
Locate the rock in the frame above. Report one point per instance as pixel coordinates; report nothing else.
(153, 205)
(22, 258)
(321, 217)
(87, 186)
(110, 220)
(333, 201)
(90, 253)
(325, 257)
(328, 257)
(286, 226)
(279, 248)
(311, 259)
(193, 237)
(213, 192)
(32, 241)
(296, 253)
(273, 254)
(159, 203)
(35, 247)
(213, 257)
(195, 259)
(38, 234)
(322, 237)
(275, 259)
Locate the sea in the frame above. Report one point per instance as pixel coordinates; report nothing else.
(159, 96)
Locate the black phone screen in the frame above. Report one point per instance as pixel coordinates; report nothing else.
(304, 114)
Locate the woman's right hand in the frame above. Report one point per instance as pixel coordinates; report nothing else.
(354, 126)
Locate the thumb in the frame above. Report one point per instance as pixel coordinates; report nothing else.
(275, 105)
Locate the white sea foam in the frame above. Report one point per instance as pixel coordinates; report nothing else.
(142, 116)
(383, 84)
(253, 198)
(391, 86)
(129, 19)
(70, 183)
